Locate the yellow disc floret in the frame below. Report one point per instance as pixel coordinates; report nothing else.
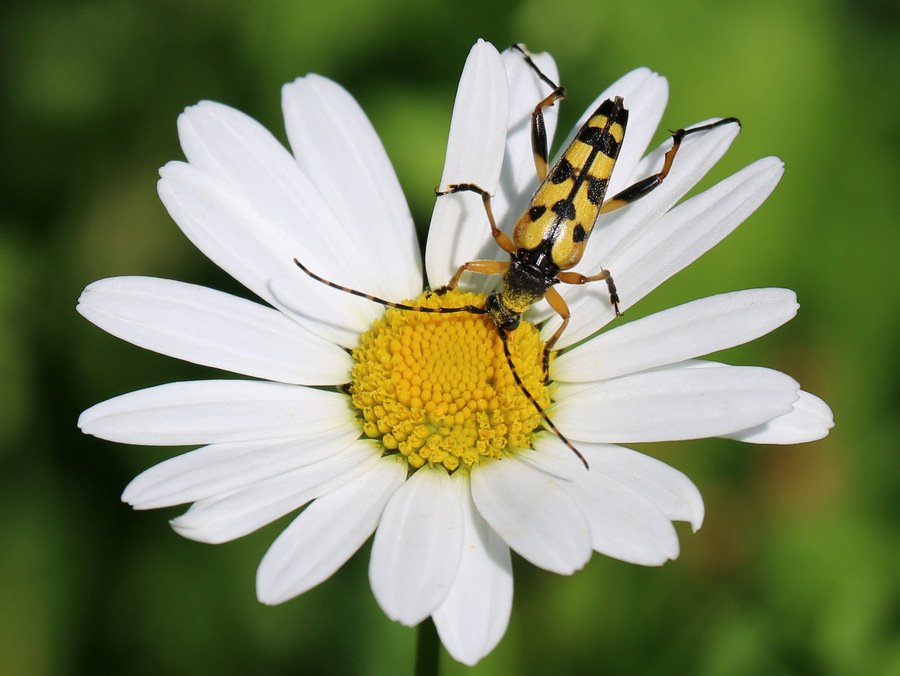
(436, 387)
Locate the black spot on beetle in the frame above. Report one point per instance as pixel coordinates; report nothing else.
(562, 172)
(565, 209)
(596, 190)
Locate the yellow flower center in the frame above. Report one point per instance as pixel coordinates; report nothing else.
(436, 387)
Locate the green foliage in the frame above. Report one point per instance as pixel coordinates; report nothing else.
(794, 571)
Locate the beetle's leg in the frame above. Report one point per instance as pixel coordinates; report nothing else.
(478, 267)
(577, 278)
(539, 144)
(645, 186)
(559, 305)
(502, 239)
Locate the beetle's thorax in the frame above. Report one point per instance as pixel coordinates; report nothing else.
(529, 276)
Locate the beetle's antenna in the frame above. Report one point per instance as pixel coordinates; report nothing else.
(504, 338)
(400, 306)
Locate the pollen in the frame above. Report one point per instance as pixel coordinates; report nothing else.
(436, 388)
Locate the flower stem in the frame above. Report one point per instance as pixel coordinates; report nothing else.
(427, 649)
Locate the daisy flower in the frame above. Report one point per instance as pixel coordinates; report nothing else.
(432, 446)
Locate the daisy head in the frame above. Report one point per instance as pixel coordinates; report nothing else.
(411, 424)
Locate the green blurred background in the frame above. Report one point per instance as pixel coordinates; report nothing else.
(795, 570)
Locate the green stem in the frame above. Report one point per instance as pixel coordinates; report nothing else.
(427, 649)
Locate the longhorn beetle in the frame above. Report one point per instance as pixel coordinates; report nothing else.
(550, 237)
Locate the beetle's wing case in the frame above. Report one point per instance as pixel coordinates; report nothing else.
(567, 203)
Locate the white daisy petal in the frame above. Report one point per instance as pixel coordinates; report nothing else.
(231, 144)
(680, 333)
(673, 404)
(222, 468)
(335, 145)
(475, 614)
(810, 420)
(624, 525)
(671, 244)
(692, 228)
(418, 545)
(669, 490)
(216, 411)
(628, 516)
(533, 515)
(218, 221)
(251, 162)
(212, 328)
(518, 176)
(233, 515)
(327, 533)
(459, 229)
(258, 251)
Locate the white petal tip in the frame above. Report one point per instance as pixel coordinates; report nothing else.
(271, 597)
(811, 419)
